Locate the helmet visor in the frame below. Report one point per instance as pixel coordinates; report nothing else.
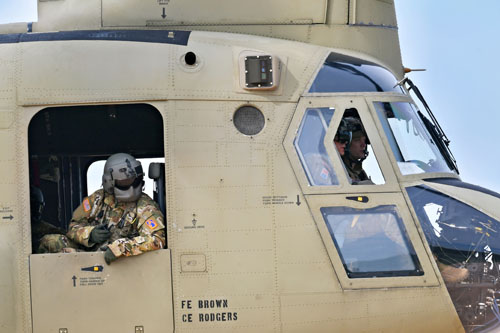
(125, 184)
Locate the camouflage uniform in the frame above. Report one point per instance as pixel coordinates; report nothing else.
(40, 228)
(136, 227)
(355, 169)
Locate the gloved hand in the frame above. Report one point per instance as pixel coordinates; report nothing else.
(99, 234)
(109, 256)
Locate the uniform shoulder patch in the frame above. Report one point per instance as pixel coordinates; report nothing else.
(86, 205)
(151, 223)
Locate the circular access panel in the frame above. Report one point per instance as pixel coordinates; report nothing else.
(249, 120)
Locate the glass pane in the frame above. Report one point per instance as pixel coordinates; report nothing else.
(466, 245)
(411, 143)
(341, 73)
(371, 242)
(311, 149)
(372, 168)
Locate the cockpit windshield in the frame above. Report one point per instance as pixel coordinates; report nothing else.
(466, 246)
(413, 147)
(341, 73)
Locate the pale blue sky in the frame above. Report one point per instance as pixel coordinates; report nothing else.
(458, 42)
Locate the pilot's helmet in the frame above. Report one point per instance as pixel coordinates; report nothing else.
(123, 177)
(356, 128)
(343, 135)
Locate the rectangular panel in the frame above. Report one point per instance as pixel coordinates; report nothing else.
(239, 241)
(6, 119)
(196, 12)
(8, 70)
(7, 141)
(8, 286)
(186, 133)
(67, 292)
(222, 176)
(242, 263)
(189, 154)
(357, 272)
(314, 277)
(247, 283)
(381, 12)
(310, 250)
(244, 153)
(396, 310)
(69, 71)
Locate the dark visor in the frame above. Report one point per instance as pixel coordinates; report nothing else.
(124, 184)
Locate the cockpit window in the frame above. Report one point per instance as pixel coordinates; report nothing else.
(414, 149)
(371, 242)
(466, 245)
(342, 73)
(311, 149)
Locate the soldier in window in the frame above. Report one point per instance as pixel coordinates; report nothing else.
(119, 219)
(342, 137)
(356, 151)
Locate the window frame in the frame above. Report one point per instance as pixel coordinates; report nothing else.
(320, 66)
(411, 177)
(353, 62)
(340, 103)
(422, 251)
(301, 154)
(363, 218)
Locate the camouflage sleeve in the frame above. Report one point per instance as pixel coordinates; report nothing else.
(151, 234)
(79, 228)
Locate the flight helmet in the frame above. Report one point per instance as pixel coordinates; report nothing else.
(344, 134)
(356, 129)
(123, 177)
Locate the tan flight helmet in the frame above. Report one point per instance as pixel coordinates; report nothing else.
(123, 177)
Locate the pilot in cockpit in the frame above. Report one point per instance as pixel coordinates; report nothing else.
(356, 151)
(342, 138)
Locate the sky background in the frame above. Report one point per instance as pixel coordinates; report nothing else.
(458, 42)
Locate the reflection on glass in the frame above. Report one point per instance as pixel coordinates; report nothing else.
(311, 149)
(466, 246)
(341, 73)
(411, 143)
(371, 242)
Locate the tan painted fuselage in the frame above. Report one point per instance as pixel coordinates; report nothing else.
(248, 248)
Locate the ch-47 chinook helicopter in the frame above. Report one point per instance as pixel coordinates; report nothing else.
(266, 230)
